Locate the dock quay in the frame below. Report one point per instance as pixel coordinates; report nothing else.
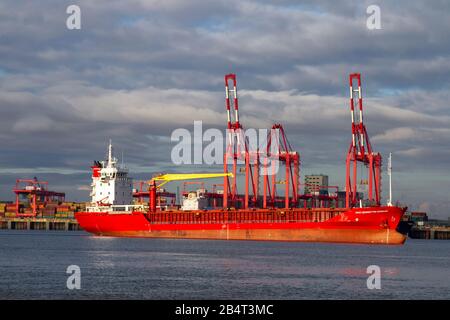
(430, 233)
(39, 224)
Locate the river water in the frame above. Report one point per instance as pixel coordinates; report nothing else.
(33, 265)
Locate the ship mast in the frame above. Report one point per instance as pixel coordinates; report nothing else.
(390, 179)
(110, 151)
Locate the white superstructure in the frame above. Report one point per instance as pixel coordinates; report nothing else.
(110, 183)
(195, 201)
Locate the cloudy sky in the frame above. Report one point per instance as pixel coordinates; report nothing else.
(138, 69)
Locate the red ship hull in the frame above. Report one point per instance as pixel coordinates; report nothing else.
(376, 225)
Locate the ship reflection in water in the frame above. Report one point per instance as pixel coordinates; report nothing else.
(33, 265)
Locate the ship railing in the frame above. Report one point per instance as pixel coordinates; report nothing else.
(234, 221)
(117, 208)
(195, 217)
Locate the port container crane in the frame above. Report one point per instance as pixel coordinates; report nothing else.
(360, 151)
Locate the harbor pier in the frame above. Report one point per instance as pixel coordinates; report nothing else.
(39, 224)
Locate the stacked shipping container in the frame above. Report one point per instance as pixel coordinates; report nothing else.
(64, 210)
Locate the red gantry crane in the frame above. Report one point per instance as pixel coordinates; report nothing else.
(278, 152)
(36, 192)
(283, 153)
(237, 149)
(361, 151)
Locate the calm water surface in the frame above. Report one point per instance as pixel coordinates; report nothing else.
(33, 266)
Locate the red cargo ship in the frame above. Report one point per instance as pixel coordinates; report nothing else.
(250, 217)
(362, 225)
(111, 214)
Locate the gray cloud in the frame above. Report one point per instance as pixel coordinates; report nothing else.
(139, 69)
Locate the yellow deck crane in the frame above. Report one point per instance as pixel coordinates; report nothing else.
(166, 178)
(186, 176)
